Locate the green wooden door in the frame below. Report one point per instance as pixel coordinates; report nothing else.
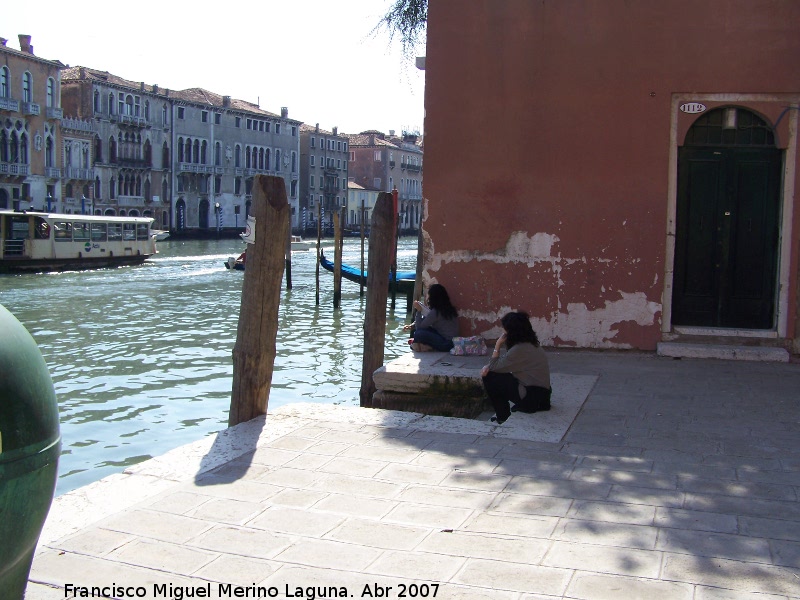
(726, 243)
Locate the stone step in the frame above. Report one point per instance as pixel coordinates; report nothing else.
(722, 351)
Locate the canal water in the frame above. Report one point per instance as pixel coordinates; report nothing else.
(141, 357)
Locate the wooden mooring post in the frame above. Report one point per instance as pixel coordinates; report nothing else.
(289, 250)
(337, 259)
(381, 241)
(255, 347)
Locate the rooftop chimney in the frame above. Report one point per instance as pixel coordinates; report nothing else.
(317, 128)
(284, 111)
(25, 43)
(335, 131)
(391, 132)
(141, 86)
(155, 88)
(3, 41)
(226, 101)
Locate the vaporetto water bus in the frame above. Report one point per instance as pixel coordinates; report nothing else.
(40, 241)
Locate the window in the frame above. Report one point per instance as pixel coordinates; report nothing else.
(217, 154)
(311, 181)
(352, 157)
(339, 146)
(268, 126)
(294, 188)
(377, 156)
(27, 87)
(238, 121)
(237, 155)
(345, 147)
(237, 185)
(249, 123)
(277, 128)
(218, 184)
(294, 162)
(181, 112)
(111, 104)
(294, 131)
(338, 163)
(164, 114)
(311, 159)
(217, 118)
(204, 116)
(313, 141)
(5, 78)
(261, 125)
(51, 92)
(376, 183)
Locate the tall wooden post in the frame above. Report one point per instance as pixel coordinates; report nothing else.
(254, 350)
(361, 281)
(319, 243)
(289, 250)
(381, 239)
(337, 259)
(417, 295)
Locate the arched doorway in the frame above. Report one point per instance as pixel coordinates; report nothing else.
(727, 222)
(203, 217)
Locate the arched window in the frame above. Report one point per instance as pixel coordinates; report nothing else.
(237, 156)
(247, 157)
(294, 162)
(129, 105)
(277, 160)
(266, 157)
(147, 109)
(49, 155)
(112, 150)
(27, 87)
(164, 114)
(112, 189)
(180, 150)
(5, 78)
(97, 189)
(204, 153)
(164, 190)
(196, 152)
(96, 101)
(111, 103)
(148, 154)
(98, 149)
(68, 191)
(164, 156)
(3, 146)
(217, 154)
(261, 159)
(51, 92)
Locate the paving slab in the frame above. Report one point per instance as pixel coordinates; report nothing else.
(653, 490)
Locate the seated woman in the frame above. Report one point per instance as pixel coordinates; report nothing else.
(521, 375)
(436, 324)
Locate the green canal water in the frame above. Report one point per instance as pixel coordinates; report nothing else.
(141, 357)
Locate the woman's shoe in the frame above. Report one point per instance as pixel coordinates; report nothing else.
(494, 419)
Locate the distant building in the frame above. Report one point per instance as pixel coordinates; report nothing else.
(360, 204)
(186, 158)
(382, 162)
(30, 138)
(324, 172)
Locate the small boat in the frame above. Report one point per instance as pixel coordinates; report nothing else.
(37, 241)
(236, 264)
(160, 234)
(405, 279)
(299, 243)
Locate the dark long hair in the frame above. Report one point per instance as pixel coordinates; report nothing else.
(439, 299)
(518, 329)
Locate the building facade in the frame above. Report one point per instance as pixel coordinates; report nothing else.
(186, 158)
(384, 163)
(640, 185)
(30, 137)
(360, 204)
(324, 173)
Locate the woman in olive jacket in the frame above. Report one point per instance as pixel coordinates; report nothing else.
(521, 375)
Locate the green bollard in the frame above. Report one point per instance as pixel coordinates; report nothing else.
(30, 444)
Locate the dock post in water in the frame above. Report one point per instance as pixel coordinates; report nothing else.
(255, 347)
(361, 281)
(337, 259)
(319, 243)
(289, 250)
(381, 238)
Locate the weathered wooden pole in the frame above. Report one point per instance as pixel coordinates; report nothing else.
(396, 221)
(254, 350)
(289, 250)
(417, 295)
(361, 279)
(319, 243)
(337, 260)
(381, 237)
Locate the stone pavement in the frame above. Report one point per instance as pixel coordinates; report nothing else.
(678, 479)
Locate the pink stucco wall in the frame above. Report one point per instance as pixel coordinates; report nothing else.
(547, 150)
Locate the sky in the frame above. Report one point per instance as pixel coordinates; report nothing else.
(320, 58)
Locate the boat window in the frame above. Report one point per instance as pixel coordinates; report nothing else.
(41, 228)
(19, 228)
(114, 232)
(129, 231)
(80, 231)
(63, 231)
(142, 231)
(98, 232)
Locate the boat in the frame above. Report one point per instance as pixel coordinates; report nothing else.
(34, 241)
(299, 243)
(405, 279)
(236, 264)
(160, 234)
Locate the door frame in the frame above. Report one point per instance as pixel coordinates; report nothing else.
(789, 146)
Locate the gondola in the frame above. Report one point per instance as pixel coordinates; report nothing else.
(405, 279)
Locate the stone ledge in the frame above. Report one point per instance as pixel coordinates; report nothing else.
(721, 351)
(434, 373)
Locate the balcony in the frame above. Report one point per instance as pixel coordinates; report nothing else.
(130, 200)
(30, 108)
(52, 172)
(131, 163)
(53, 112)
(131, 120)
(75, 124)
(219, 170)
(14, 169)
(193, 168)
(78, 173)
(9, 104)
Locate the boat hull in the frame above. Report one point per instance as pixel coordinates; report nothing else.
(46, 265)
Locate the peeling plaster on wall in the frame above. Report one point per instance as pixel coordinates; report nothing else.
(585, 328)
(519, 248)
